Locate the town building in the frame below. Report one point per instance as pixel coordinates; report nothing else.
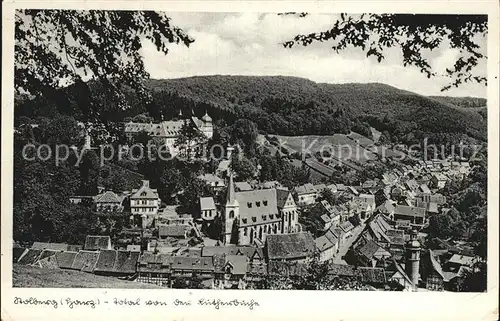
(167, 132)
(207, 208)
(415, 215)
(306, 194)
(248, 216)
(295, 247)
(145, 202)
(109, 202)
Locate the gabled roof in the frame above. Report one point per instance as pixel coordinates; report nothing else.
(144, 192)
(346, 226)
(108, 197)
(305, 189)
(281, 197)
(290, 246)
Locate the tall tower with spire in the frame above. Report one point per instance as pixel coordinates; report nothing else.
(231, 210)
(413, 258)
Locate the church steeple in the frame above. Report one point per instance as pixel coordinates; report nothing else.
(230, 197)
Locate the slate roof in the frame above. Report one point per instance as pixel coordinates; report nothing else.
(85, 261)
(281, 197)
(65, 259)
(290, 246)
(97, 242)
(207, 203)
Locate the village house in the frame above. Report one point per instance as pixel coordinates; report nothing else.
(214, 181)
(346, 228)
(326, 248)
(207, 208)
(174, 231)
(306, 194)
(109, 202)
(367, 253)
(438, 181)
(416, 215)
(296, 247)
(145, 202)
(116, 263)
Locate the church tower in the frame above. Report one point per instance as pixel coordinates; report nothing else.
(413, 258)
(207, 126)
(231, 210)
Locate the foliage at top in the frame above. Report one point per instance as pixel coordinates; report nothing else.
(414, 34)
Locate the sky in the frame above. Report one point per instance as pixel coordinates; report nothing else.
(250, 44)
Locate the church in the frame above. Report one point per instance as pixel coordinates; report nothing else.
(167, 132)
(249, 216)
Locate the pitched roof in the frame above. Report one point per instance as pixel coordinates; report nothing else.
(192, 263)
(85, 261)
(211, 178)
(332, 236)
(29, 256)
(173, 230)
(97, 242)
(369, 249)
(461, 259)
(286, 269)
(144, 192)
(238, 263)
(289, 246)
(258, 206)
(435, 264)
(305, 189)
(133, 248)
(372, 275)
(126, 262)
(409, 211)
(108, 197)
(50, 246)
(281, 197)
(323, 243)
(207, 203)
(106, 261)
(243, 186)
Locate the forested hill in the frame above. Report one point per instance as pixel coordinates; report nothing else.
(297, 106)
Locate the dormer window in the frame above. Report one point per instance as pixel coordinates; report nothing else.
(264, 217)
(249, 205)
(254, 219)
(143, 194)
(257, 204)
(244, 220)
(265, 203)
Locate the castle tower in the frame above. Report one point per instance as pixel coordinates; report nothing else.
(207, 126)
(413, 258)
(231, 210)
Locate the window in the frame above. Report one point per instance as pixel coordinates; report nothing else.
(143, 194)
(231, 214)
(245, 231)
(249, 205)
(265, 203)
(257, 204)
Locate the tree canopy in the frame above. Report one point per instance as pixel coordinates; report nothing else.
(54, 48)
(414, 34)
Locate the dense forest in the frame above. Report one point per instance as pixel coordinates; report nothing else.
(284, 105)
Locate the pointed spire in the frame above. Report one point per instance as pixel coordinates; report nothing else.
(230, 197)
